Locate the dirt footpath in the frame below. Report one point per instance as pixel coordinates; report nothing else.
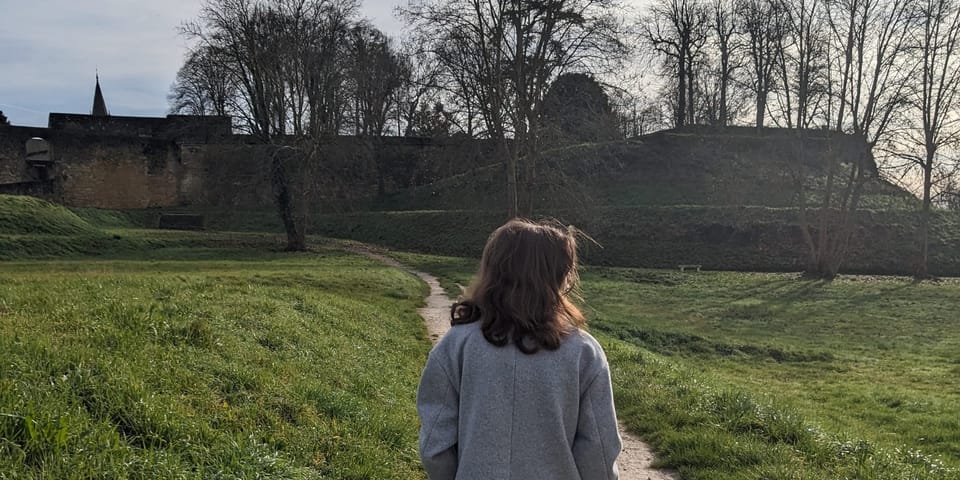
(636, 456)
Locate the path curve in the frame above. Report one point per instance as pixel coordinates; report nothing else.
(635, 458)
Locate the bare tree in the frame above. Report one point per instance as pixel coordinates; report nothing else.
(467, 39)
(550, 38)
(725, 27)
(868, 75)
(802, 62)
(678, 29)
(203, 86)
(871, 65)
(763, 23)
(934, 101)
(418, 75)
(284, 58)
(376, 75)
(502, 56)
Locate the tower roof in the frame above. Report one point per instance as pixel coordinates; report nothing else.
(99, 105)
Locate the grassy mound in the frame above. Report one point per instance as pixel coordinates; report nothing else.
(114, 218)
(719, 238)
(21, 215)
(32, 229)
(200, 362)
(722, 168)
(35, 228)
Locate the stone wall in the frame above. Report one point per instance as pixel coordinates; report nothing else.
(171, 126)
(13, 154)
(169, 164)
(118, 172)
(99, 170)
(94, 169)
(237, 174)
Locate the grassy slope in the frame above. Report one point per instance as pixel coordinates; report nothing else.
(735, 375)
(859, 358)
(34, 228)
(719, 238)
(171, 312)
(199, 362)
(27, 215)
(664, 168)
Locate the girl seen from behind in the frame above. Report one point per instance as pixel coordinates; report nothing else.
(517, 389)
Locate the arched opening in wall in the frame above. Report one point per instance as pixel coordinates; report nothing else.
(39, 158)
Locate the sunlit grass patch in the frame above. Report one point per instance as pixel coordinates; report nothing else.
(234, 364)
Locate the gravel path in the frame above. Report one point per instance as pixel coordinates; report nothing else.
(636, 456)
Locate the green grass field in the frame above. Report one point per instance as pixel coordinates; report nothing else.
(741, 375)
(209, 363)
(130, 353)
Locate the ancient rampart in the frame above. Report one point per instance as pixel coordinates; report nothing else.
(132, 162)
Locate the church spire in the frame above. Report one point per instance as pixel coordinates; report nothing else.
(99, 105)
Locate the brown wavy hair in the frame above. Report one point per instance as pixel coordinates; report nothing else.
(520, 294)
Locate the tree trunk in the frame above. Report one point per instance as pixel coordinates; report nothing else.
(681, 113)
(510, 163)
(761, 108)
(836, 226)
(724, 79)
(296, 235)
(691, 100)
(923, 272)
(530, 175)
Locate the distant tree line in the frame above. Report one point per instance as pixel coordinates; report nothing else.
(524, 74)
(296, 72)
(886, 70)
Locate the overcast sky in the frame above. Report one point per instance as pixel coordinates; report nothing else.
(50, 51)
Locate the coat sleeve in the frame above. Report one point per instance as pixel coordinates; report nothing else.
(438, 406)
(597, 442)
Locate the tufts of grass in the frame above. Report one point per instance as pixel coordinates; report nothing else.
(452, 272)
(21, 215)
(104, 218)
(198, 362)
(686, 343)
(719, 237)
(711, 432)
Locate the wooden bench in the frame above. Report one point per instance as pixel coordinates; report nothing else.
(684, 267)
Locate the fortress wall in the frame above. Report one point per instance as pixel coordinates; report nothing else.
(94, 169)
(171, 126)
(174, 162)
(192, 175)
(238, 174)
(117, 172)
(227, 175)
(13, 153)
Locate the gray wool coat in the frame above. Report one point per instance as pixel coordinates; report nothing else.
(492, 413)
